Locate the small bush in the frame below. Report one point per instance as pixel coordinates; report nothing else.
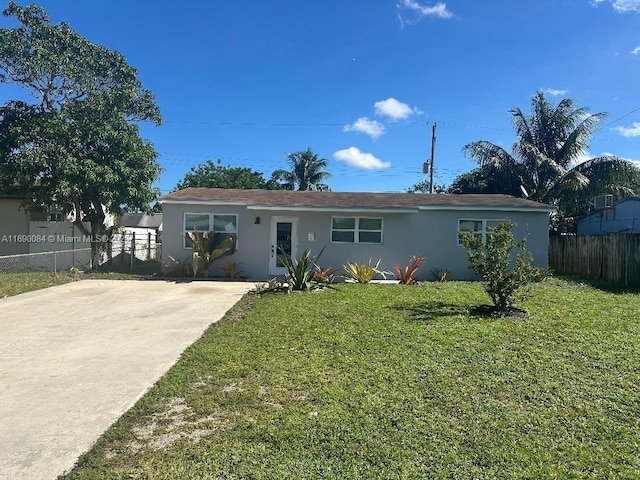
(442, 275)
(176, 268)
(324, 275)
(301, 272)
(273, 285)
(231, 270)
(207, 248)
(406, 275)
(503, 275)
(362, 272)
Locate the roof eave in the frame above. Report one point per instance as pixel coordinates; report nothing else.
(497, 208)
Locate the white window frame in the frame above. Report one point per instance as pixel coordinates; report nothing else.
(211, 224)
(356, 229)
(483, 231)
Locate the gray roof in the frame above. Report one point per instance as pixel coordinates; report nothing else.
(141, 220)
(338, 200)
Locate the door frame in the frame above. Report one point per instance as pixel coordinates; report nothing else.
(273, 269)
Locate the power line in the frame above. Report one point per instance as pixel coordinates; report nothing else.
(618, 119)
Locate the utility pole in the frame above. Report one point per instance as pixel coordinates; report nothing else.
(433, 150)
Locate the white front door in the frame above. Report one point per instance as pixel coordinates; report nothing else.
(284, 237)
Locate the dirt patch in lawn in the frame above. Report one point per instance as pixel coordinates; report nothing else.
(175, 421)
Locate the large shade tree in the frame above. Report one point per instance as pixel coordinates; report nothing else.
(78, 144)
(545, 161)
(308, 172)
(215, 175)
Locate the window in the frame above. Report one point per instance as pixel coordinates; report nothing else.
(356, 230)
(479, 227)
(224, 225)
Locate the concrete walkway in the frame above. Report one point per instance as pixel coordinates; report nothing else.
(75, 357)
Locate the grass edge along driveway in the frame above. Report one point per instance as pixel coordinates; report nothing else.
(389, 381)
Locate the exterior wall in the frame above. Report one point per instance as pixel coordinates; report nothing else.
(432, 233)
(624, 217)
(13, 221)
(55, 236)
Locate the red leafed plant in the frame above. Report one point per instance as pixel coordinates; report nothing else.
(406, 275)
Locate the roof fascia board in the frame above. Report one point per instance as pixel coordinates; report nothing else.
(488, 207)
(187, 201)
(332, 209)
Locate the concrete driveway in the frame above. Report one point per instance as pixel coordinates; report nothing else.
(75, 357)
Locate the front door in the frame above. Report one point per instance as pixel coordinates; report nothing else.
(284, 237)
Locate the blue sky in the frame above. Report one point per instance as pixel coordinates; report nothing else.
(362, 81)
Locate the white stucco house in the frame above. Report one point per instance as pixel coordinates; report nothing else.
(352, 227)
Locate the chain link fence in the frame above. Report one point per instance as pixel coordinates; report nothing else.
(122, 251)
(127, 248)
(55, 261)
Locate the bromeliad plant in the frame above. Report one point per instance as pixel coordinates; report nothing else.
(325, 275)
(301, 271)
(207, 248)
(362, 272)
(407, 275)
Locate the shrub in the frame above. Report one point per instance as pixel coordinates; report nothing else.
(324, 275)
(503, 275)
(406, 275)
(301, 272)
(442, 275)
(176, 268)
(207, 248)
(231, 271)
(362, 272)
(273, 285)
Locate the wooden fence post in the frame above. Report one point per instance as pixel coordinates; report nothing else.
(133, 249)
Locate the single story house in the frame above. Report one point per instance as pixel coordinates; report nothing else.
(141, 224)
(352, 227)
(622, 216)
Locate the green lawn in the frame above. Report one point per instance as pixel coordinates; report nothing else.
(394, 382)
(16, 283)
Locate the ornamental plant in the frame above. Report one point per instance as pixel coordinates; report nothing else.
(503, 263)
(301, 271)
(407, 275)
(207, 248)
(362, 272)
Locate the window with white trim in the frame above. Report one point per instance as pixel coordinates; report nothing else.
(480, 227)
(224, 225)
(356, 230)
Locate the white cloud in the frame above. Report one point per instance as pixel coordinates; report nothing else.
(554, 91)
(394, 109)
(353, 157)
(636, 50)
(373, 128)
(632, 131)
(621, 5)
(411, 11)
(583, 157)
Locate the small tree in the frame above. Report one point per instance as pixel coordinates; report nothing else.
(503, 274)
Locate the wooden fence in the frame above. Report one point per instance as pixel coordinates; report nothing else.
(613, 257)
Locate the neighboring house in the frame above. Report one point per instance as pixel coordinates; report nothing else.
(13, 221)
(622, 216)
(23, 232)
(352, 227)
(141, 224)
(142, 229)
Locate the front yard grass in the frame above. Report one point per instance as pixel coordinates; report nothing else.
(394, 382)
(16, 283)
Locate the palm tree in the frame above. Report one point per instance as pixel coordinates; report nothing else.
(545, 159)
(307, 172)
